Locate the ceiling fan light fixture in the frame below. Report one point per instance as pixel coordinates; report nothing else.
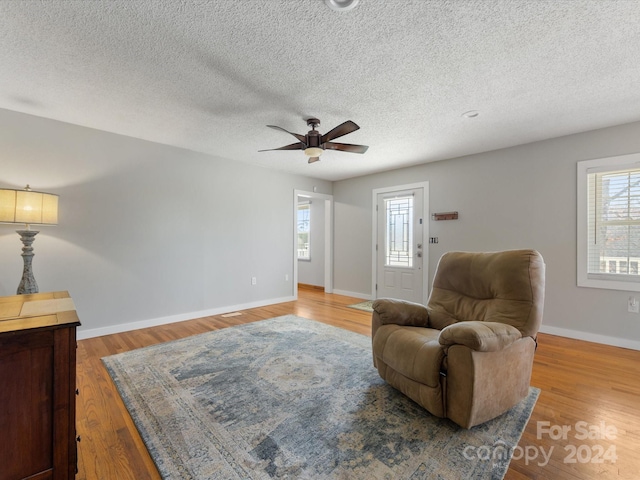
(313, 151)
(313, 144)
(341, 5)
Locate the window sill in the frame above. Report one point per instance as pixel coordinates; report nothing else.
(629, 286)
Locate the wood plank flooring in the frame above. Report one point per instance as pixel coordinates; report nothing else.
(585, 387)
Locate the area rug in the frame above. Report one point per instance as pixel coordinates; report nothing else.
(365, 306)
(297, 399)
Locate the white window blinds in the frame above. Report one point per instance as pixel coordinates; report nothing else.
(614, 224)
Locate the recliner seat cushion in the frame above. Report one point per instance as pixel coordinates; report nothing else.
(414, 352)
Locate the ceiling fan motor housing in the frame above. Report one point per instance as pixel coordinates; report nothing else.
(314, 139)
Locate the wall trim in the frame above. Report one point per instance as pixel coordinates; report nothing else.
(154, 322)
(346, 293)
(591, 337)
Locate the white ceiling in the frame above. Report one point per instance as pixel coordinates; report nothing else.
(208, 75)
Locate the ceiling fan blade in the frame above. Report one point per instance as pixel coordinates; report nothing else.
(346, 147)
(299, 137)
(339, 131)
(293, 146)
(313, 159)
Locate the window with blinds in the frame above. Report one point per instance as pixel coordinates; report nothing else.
(609, 223)
(614, 223)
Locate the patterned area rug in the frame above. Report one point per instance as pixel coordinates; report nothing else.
(294, 398)
(366, 306)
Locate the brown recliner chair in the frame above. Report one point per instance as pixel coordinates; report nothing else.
(468, 354)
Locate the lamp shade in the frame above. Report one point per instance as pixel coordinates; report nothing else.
(28, 207)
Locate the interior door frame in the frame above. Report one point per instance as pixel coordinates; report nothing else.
(328, 238)
(425, 234)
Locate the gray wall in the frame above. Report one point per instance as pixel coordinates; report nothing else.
(147, 231)
(311, 272)
(520, 197)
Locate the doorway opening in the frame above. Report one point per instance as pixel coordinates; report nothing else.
(313, 241)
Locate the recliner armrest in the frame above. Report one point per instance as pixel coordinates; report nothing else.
(479, 336)
(401, 312)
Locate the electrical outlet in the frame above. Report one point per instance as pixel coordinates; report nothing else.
(254, 280)
(634, 305)
(286, 277)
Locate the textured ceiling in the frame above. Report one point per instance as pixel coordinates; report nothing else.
(208, 75)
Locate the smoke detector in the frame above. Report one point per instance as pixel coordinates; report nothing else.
(341, 5)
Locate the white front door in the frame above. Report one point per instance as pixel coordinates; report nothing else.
(400, 245)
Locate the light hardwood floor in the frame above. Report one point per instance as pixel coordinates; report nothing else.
(585, 387)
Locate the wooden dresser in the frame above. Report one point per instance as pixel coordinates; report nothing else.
(38, 387)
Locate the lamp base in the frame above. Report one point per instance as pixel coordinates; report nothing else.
(28, 283)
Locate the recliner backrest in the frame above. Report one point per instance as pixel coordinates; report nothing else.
(505, 287)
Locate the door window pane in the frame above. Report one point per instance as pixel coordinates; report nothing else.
(399, 232)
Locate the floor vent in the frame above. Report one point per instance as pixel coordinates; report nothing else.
(232, 314)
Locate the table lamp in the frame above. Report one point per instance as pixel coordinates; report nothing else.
(31, 208)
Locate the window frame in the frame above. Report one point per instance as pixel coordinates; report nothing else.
(584, 168)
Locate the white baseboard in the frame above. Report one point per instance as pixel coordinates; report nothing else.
(591, 337)
(154, 322)
(346, 293)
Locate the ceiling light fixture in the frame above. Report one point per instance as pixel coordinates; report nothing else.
(341, 5)
(313, 151)
(471, 114)
(313, 144)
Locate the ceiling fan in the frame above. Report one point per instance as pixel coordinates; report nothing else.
(314, 144)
